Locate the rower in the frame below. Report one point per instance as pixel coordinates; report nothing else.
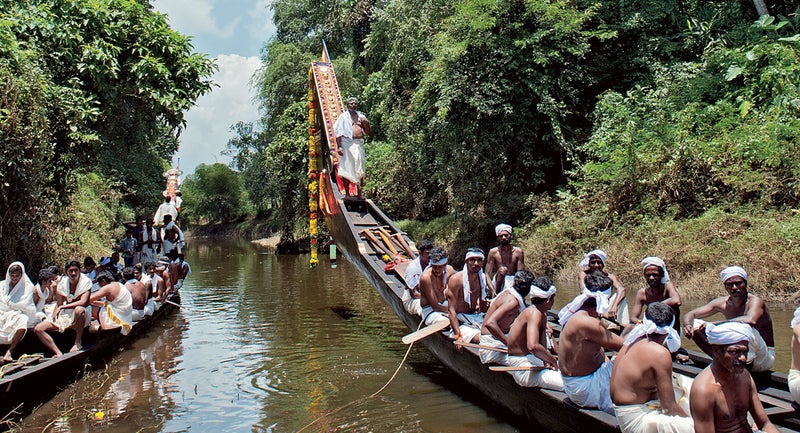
(531, 343)
(466, 297)
(183, 271)
(738, 306)
(595, 260)
(794, 369)
(505, 308)
(432, 284)
(141, 301)
(16, 304)
(44, 294)
(411, 296)
(642, 387)
(724, 393)
(582, 360)
(659, 289)
(172, 237)
(114, 303)
(504, 260)
(72, 309)
(154, 283)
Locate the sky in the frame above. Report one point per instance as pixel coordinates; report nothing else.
(233, 33)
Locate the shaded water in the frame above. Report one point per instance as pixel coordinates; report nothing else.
(263, 343)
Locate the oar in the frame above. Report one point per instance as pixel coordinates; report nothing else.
(370, 237)
(514, 368)
(426, 331)
(404, 244)
(386, 240)
(167, 301)
(480, 346)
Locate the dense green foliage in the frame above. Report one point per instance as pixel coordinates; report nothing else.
(213, 193)
(89, 87)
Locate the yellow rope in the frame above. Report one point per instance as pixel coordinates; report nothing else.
(18, 362)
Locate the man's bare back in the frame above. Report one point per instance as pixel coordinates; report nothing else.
(582, 344)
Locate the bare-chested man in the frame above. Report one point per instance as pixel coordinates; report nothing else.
(724, 393)
(162, 271)
(350, 128)
(794, 368)
(504, 260)
(582, 360)
(501, 314)
(154, 283)
(531, 343)
(596, 260)
(642, 387)
(113, 301)
(659, 289)
(738, 306)
(72, 309)
(141, 301)
(432, 284)
(466, 297)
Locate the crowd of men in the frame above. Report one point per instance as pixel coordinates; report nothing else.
(502, 311)
(95, 295)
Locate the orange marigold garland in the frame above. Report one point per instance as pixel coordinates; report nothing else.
(313, 184)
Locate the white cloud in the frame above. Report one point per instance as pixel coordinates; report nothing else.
(261, 26)
(208, 124)
(195, 17)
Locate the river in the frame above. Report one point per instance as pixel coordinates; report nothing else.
(265, 344)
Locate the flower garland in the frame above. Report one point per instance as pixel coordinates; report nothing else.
(313, 164)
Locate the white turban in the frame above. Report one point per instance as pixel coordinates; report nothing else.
(796, 318)
(647, 327)
(732, 271)
(500, 228)
(601, 296)
(443, 261)
(104, 260)
(655, 261)
(538, 292)
(599, 253)
(471, 254)
(726, 333)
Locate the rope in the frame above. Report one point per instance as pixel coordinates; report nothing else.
(20, 362)
(363, 399)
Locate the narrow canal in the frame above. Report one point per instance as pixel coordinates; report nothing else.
(265, 344)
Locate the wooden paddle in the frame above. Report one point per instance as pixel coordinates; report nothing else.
(387, 240)
(513, 368)
(404, 244)
(426, 331)
(480, 346)
(370, 237)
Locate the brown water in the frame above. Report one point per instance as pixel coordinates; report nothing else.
(264, 343)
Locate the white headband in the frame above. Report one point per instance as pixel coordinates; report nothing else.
(443, 261)
(601, 296)
(796, 318)
(732, 271)
(655, 261)
(500, 228)
(599, 253)
(647, 327)
(471, 254)
(727, 333)
(537, 292)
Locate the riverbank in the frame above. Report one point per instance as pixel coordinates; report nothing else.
(262, 233)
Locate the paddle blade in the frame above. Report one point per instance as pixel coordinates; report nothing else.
(426, 331)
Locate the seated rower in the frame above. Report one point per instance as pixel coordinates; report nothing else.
(724, 393)
(659, 289)
(44, 294)
(412, 274)
(183, 271)
(504, 260)
(642, 387)
(738, 306)
(531, 343)
(72, 309)
(432, 284)
(17, 310)
(172, 237)
(595, 260)
(505, 308)
(466, 297)
(584, 366)
(115, 304)
(154, 283)
(165, 290)
(141, 301)
(794, 368)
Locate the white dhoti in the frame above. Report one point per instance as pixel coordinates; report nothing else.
(489, 356)
(622, 312)
(11, 321)
(179, 284)
(794, 385)
(591, 390)
(648, 418)
(148, 310)
(538, 376)
(148, 254)
(410, 303)
(470, 326)
(118, 313)
(66, 318)
(169, 246)
(508, 283)
(761, 356)
(430, 316)
(351, 164)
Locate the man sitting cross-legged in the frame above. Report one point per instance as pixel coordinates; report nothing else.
(72, 309)
(530, 340)
(642, 386)
(501, 314)
(584, 366)
(466, 298)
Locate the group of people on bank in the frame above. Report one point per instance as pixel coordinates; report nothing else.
(488, 309)
(104, 295)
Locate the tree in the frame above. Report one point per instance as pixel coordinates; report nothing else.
(214, 193)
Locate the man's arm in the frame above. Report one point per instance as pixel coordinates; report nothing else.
(452, 300)
(490, 267)
(598, 334)
(535, 346)
(662, 367)
(521, 261)
(364, 123)
(620, 291)
(757, 411)
(490, 321)
(638, 306)
(674, 298)
(702, 407)
(755, 309)
(699, 313)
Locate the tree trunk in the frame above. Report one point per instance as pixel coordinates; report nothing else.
(761, 7)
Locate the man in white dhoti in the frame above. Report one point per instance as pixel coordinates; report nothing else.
(183, 271)
(173, 238)
(72, 309)
(411, 296)
(738, 306)
(466, 297)
(794, 368)
(659, 289)
(582, 360)
(724, 393)
(595, 260)
(16, 307)
(531, 343)
(505, 308)
(151, 238)
(642, 388)
(141, 301)
(115, 304)
(350, 129)
(44, 295)
(504, 260)
(432, 283)
(166, 208)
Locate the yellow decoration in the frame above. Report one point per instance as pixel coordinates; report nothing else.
(99, 415)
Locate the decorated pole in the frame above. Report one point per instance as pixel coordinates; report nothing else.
(313, 174)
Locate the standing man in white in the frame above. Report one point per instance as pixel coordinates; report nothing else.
(350, 128)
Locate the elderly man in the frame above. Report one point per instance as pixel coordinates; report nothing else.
(432, 284)
(642, 386)
(505, 308)
(504, 260)
(595, 260)
(72, 309)
(466, 297)
(350, 129)
(530, 340)
(659, 289)
(724, 393)
(411, 296)
(738, 306)
(584, 366)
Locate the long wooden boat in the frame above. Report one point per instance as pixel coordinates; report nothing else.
(352, 221)
(36, 380)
